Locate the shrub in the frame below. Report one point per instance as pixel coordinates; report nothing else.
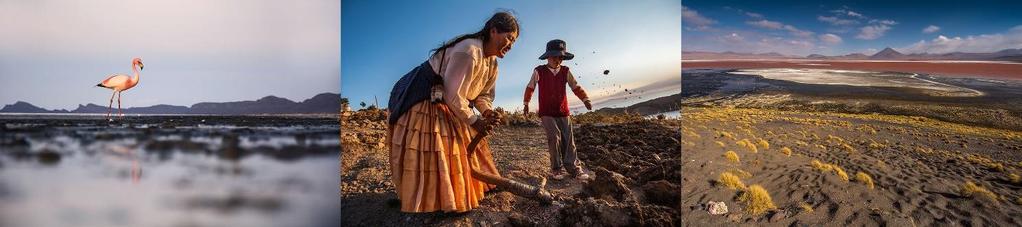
(368, 115)
(725, 134)
(690, 135)
(820, 166)
(840, 172)
(972, 190)
(847, 147)
(806, 208)
(826, 167)
(876, 145)
(747, 145)
(730, 180)
(732, 156)
(518, 118)
(865, 179)
(764, 144)
(786, 151)
(757, 200)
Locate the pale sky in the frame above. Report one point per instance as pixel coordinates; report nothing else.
(803, 27)
(638, 41)
(54, 52)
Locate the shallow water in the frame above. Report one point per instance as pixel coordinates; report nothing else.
(863, 79)
(169, 171)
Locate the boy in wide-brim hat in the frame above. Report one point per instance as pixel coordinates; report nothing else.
(552, 78)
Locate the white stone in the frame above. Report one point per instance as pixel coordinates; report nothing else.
(716, 208)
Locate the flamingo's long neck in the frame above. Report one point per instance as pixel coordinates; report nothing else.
(134, 68)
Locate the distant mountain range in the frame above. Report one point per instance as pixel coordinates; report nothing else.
(885, 54)
(321, 103)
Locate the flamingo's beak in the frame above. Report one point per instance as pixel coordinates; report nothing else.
(141, 66)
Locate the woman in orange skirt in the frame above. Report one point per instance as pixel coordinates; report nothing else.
(432, 122)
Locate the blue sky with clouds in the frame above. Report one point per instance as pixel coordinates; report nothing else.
(637, 40)
(842, 27)
(54, 52)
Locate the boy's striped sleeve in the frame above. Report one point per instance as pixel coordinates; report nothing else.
(531, 86)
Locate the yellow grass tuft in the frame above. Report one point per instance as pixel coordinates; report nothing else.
(985, 162)
(725, 134)
(721, 144)
(835, 139)
(924, 150)
(806, 208)
(747, 145)
(873, 144)
(847, 147)
(840, 172)
(1019, 200)
(820, 166)
(692, 135)
(732, 156)
(800, 143)
(731, 181)
(970, 189)
(865, 179)
(757, 200)
(764, 144)
(1014, 178)
(826, 167)
(786, 151)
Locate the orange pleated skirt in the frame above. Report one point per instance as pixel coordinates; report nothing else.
(429, 163)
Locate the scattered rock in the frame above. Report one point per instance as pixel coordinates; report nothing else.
(777, 216)
(734, 217)
(519, 220)
(716, 208)
(662, 192)
(609, 185)
(591, 212)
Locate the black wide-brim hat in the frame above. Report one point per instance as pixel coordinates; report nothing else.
(556, 48)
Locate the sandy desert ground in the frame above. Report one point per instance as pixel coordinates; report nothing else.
(847, 169)
(781, 152)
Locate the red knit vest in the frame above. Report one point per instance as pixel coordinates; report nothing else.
(552, 99)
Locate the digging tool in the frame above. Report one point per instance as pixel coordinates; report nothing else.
(537, 193)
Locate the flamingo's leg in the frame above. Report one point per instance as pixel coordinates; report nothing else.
(119, 106)
(110, 107)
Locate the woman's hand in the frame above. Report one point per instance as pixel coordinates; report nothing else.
(494, 117)
(488, 121)
(481, 126)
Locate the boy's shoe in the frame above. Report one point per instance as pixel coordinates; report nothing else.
(558, 174)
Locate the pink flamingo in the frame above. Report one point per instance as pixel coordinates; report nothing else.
(119, 83)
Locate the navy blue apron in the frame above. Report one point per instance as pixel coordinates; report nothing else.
(414, 87)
